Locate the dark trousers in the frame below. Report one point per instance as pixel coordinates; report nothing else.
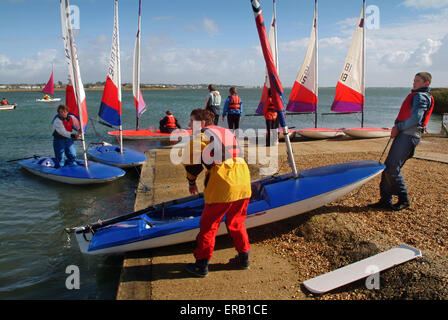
(166, 130)
(233, 121)
(270, 125)
(216, 112)
(392, 182)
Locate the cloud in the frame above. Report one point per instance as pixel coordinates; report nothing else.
(210, 26)
(425, 4)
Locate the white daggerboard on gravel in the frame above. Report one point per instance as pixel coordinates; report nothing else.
(362, 269)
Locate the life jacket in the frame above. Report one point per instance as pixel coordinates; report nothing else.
(171, 123)
(228, 142)
(406, 109)
(68, 123)
(4, 102)
(235, 102)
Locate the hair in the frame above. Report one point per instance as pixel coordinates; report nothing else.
(211, 87)
(203, 115)
(168, 112)
(63, 107)
(232, 90)
(426, 76)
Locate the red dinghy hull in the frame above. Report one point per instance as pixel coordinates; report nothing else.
(147, 134)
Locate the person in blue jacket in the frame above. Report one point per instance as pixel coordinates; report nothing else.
(409, 125)
(233, 108)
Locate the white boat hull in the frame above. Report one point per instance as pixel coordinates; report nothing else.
(367, 133)
(8, 107)
(321, 133)
(49, 100)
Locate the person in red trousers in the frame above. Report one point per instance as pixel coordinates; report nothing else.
(227, 189)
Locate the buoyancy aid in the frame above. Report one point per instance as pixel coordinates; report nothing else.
(4, 102)
(68, 123)
(406, 110)
(235, 102)
(171, 122)
(224, 138)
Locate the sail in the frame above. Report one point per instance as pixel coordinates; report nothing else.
(49, 87)
(349, 96)
(110, 109)
(140, 105)
(75, 98)
(274, 80)
(272, 37)
(304, 93)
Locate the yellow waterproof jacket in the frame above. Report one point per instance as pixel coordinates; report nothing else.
(225, 182)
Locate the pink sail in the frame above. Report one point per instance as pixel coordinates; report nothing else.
(49, 87)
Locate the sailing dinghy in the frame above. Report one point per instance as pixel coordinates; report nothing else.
(8, 106)
(82, 171)
(49, 89)
(350, 89)
(273, 198)
(110, 111)
(305, 91)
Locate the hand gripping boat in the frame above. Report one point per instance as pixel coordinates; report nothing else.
(273, 198)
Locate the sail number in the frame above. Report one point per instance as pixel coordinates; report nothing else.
(346, 71)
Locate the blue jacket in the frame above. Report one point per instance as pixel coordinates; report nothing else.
(231, 111)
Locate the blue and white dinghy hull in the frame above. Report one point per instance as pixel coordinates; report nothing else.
(72, 174)
(273, 199)
(112, 156)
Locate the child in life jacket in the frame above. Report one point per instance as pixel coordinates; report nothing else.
(410, 124)
(169, 123)
(233, 108)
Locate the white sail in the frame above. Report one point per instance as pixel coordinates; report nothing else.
(350, 90)
(304, 94)
(75, 94)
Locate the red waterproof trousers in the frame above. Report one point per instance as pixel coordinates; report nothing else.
(236, 213)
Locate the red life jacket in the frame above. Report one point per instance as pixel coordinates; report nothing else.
(235, 102)
(229, 149)
(4, 102)
(68, 123)
(406, 109)
(171, 123)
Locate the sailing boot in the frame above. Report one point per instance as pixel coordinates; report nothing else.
(381, 204)
(200, 268)
(241, 260)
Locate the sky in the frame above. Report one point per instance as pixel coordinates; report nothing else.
(209, 41)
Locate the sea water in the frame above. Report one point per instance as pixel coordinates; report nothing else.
(36, 256)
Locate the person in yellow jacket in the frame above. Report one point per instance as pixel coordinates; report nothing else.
(227, 188)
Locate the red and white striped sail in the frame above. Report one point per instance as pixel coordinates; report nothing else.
(110, 109)
(349, 96)
(75, 98)
(140, 105)
(49, 87)
(304, 93)
(272, 38)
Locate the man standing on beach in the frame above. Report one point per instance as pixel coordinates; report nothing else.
(410, 124)
(227, 189)
(213, 102)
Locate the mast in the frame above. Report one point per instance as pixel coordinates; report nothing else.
(137, 67)
(363, 60)
(74, 72)
(117, 57)
(275, 36)
(316, 57)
